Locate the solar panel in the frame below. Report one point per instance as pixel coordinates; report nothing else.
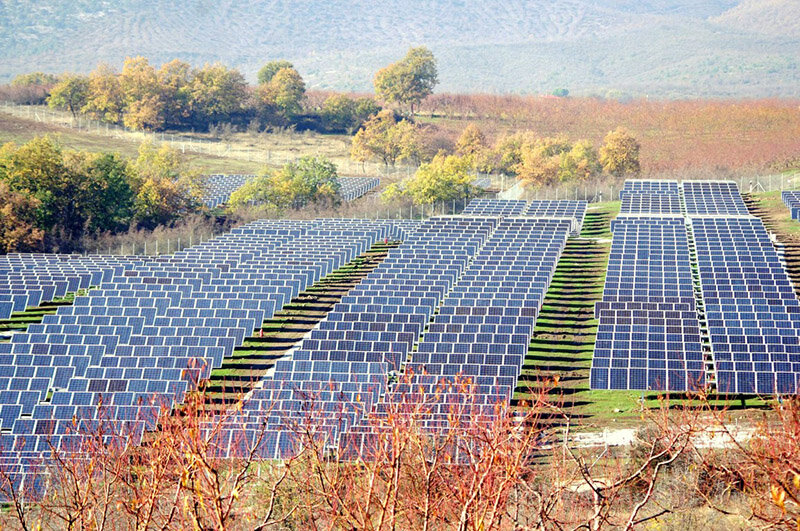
(791, 198)
(713, 198)
(753, 313)
(648, 335)
(495, 207)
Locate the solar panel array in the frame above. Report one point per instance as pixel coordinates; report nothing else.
(220, 187)
(791, 198)
(345, 364)
(751, 310)
(354, 187)
(648, 186)
(28, 280)
(650, 203)
(648, 334)
(484, 326)
(153, 327)
(495, 207)
(537, 209)
(559, 209)
(486, 275)
(713, 198)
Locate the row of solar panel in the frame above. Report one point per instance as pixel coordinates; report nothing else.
(694, 198)
(139, 319)
(510, 208)
(753, 315)
(791, 198)
(220, 187)
(481, 362)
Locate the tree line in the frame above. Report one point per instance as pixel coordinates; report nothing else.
(534, 160)
(178, 96)
(52, 198)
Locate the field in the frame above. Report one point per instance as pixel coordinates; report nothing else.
(715, 139)
(617, 443)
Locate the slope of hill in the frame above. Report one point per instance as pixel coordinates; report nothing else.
(766, 17)
(662, 48)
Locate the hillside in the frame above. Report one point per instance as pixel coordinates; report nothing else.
(674, 48)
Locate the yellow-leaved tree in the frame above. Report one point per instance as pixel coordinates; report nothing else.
(385, 139)
(145, 102)
(445, 178)
(104, 100)
(620, 153)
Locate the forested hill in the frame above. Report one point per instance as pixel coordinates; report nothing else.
(672, 48)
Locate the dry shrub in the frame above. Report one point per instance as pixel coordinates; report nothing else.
(470, 466)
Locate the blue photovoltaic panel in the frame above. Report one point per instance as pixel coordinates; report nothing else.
(645, 186)
(648, 335)
(152, 326)
(495, 207)
(558, 209)
(791, 198)
(650, 203)
(354, 187)
(752, 310)
(713, 198)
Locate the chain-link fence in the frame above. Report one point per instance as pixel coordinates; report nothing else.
(608, 188)
(241, 150)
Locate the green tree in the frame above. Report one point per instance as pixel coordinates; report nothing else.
(107, 183)
(269, 70)
(34, 79)
(619, 154)
(70, 93)
(174, 78)
(309, 180)
(216, 93)
(165, 188)
(105, 100)
(445, 178)
(341, 113)
(284, 92)
(384, 138)
(38, 169)
(408, 81)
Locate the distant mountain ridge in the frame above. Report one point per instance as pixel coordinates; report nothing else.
(669, 48)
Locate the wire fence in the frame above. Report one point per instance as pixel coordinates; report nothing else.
(243, 151)
(608, 188)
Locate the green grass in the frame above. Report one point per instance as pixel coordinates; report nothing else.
(19, 321)
(777, 215)
(565, 333)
